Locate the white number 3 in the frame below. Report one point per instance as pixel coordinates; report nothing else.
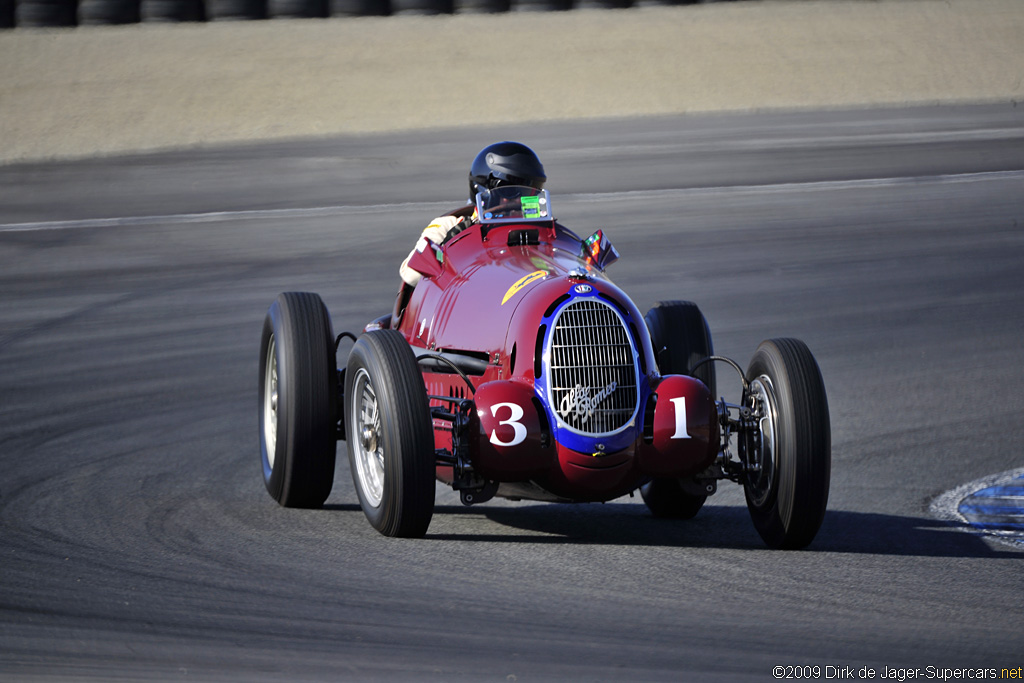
(520, 430)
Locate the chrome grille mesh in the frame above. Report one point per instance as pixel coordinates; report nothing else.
(593, 378)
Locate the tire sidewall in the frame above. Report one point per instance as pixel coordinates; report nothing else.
(359, 359)
(273, 328)
(794, 508)
(768, 514)
(305, 446)
(405, 508)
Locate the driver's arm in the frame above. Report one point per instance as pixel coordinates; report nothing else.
(436, 232)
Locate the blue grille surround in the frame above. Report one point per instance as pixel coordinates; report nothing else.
(590, 383)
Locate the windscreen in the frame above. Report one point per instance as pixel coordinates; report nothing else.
(513, 203)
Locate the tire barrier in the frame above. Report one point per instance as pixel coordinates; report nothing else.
(93, 12)
(41, 13)
(235, 10)
(542, 5)
(405, 7)
(297, 9)
(171, 10)
(605, 4)
(44, 13)
(482, 6)
(360, 8)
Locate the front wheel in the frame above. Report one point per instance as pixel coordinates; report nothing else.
(790, 455)
(390, 434)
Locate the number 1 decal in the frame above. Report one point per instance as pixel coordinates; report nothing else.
(519, 428)
(680, 406)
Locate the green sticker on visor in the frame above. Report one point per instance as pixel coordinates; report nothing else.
(531, 207)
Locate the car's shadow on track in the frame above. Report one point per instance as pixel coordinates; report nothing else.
(716, 526)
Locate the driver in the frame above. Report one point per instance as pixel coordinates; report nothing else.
(503, 163)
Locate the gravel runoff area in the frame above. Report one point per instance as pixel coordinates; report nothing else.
(88, 91)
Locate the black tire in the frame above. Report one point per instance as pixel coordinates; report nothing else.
(171, 10)
(360, 8)
(99, 12)
(482, 6)
(43, 13)
(604, 4)
(681, 339)
(235, 10)
(666, 498)
(298, 401)
(787, 498)
(422, 7)
(390, 435)
(6, 13)
(297, 9)
(542, 5)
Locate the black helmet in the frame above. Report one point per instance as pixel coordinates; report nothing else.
(505, 163)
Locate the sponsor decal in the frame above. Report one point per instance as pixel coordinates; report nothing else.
(534, 207)
(522, 282)
(580, 403)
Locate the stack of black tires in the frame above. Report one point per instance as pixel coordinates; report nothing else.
(44, 13)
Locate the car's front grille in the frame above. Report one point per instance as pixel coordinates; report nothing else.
(593, 378)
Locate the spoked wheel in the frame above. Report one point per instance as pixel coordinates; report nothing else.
(390, 435)
(681, 339)
(298, 401)
(790, 455)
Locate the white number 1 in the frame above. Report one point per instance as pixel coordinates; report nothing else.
(680, 406)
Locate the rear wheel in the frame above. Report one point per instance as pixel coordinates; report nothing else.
(298, 399)
(390, 434)
(681, 339)
(787, 487)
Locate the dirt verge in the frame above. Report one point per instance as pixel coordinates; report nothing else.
(99, 90)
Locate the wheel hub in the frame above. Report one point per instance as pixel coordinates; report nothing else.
(367, 448)
(270, 398)
(369, 437)
(761, 451)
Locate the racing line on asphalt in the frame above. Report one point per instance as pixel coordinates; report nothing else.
(217, 216)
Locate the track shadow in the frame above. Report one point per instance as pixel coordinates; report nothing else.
(343, 507)
(716, 526)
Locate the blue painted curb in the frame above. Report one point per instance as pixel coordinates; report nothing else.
(992, 506)
(996, 507)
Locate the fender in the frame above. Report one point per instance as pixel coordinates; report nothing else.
(512, 442)
(683, 436)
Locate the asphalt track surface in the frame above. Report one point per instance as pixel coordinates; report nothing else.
(137, 541)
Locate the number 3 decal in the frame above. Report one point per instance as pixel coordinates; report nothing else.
(519, 428)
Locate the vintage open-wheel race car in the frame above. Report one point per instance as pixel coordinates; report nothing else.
(517, 368)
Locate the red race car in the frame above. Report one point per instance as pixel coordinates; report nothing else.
(516, 368)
